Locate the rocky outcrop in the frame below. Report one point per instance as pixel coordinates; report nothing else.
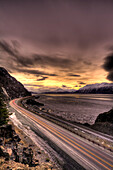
(13, 88)
(17, 151)
(104, 122)
(105, 117)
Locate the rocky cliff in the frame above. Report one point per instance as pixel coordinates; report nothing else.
(104, 122)
(11, 86)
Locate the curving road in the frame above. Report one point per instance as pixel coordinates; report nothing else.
(88, 155)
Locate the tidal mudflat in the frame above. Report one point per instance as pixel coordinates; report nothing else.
(83, 108)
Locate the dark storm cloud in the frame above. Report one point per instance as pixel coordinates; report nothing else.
(110, 48)
(58, 23)
(74, 75)
(87, 63)
(52, 61)
(35, 59)
(52, 74)
(64, 35)
(110, 76)
(33, 85)
(64, 86)
(8, 48)
(108, 66)
(82, 83)
(34, 72)
(42, 78)
(12, 50)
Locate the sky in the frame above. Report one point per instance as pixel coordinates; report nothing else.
(63, 44)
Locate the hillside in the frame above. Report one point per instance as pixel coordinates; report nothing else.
(104, 122)
(98, 88)
(17, 150)
(11, 87)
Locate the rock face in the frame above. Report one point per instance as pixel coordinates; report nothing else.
(11, 147)
(104, 122)
(102, 88)
(105, 117)
(13, 88)
(18, 151)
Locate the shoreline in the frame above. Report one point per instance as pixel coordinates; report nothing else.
(39, 110)
(40, 131)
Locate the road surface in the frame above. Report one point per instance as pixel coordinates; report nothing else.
(88, 155)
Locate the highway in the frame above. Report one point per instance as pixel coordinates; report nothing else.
(80, 127)
(88, 155)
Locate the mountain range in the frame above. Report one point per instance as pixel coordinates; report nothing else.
(14, 89)
(98, 88)
(60, 91)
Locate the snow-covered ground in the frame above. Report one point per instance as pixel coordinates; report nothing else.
(38, 141)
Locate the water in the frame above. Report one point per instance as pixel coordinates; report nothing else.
(83, 108)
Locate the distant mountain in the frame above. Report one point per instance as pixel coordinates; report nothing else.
(98, 88)
(61, 91)
(10, 86)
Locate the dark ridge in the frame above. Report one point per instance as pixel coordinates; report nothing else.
(104, 123)
(13, 87)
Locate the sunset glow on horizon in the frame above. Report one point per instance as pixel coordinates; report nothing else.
(49, 45)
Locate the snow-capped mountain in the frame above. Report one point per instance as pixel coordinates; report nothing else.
(100, 88)
(60, 90)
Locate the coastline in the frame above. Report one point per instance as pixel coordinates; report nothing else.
(36, 107)
(29, 125)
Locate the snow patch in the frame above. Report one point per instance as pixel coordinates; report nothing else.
(26, 129)
(5, 92)
(37, 140)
